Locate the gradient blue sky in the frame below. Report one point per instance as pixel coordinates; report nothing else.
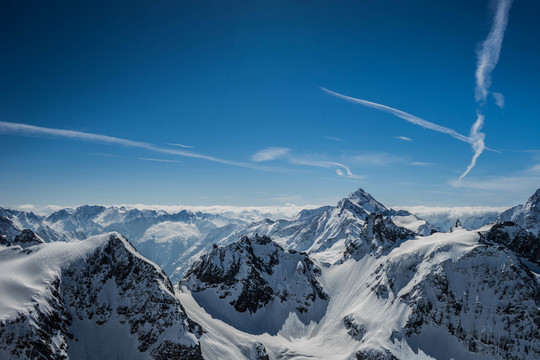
(233, 78)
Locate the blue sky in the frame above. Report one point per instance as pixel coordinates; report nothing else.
(239, 85)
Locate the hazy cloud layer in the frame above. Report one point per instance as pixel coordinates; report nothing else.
(274, 153)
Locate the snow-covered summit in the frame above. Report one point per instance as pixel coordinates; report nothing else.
(360, 199)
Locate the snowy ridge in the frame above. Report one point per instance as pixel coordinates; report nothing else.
(527, 216)
(374, 283)
(89, 300)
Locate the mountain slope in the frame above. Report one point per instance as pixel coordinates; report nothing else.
(448, 295)
(526, 216)
(92, 299)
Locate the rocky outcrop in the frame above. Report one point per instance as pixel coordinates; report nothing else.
(254, 278)
(97, 294)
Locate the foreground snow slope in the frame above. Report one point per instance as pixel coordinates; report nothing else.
(445, 296)
(92, 299)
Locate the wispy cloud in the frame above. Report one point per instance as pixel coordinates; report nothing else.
(341, 169)
(160, 160)
(274, 153)
(403, 115)
(38, 131)
(499, 99)
(488, 57)
(270, 153)
(489, 52)
(420, 163)
(181, 145)
(478, 144)
(334, 138)
(403, 138)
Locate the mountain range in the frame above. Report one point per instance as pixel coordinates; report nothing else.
(352, 281)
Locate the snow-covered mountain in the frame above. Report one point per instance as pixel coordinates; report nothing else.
(173, 240)
(526, 216)
(328, 229)
(355, 280)
(254, 284)
(92, 299)
(168, 239)
(444, 296)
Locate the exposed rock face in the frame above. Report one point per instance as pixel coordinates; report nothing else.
(523, 243)
(27, 238)
(378, 235)
(374, 355)
(355, 330)
(257, 278)
(486, 299)
(3, 241)
(97, 294)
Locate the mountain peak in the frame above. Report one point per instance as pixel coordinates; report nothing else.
(364, 200)
(27, 238)
(534, 200)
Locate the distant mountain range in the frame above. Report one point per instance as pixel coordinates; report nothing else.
(355, 280)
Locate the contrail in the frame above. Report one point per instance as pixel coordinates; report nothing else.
(32, 130)
(341, 169)
(488, 56)
(478, 145)
(405, 116)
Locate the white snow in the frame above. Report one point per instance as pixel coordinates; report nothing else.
(350, 295)
(26, 275)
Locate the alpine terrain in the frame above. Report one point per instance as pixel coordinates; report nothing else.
(356, 280)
